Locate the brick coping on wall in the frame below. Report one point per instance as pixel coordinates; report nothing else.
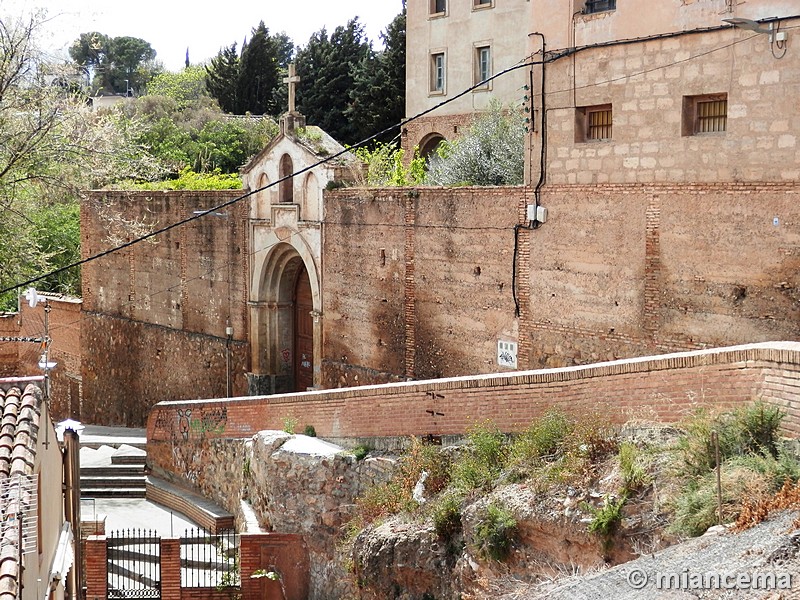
(773, 352)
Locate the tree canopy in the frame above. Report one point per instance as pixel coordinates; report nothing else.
(51, 146)
(251, 81)
(114, 64)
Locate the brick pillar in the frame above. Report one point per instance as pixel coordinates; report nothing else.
(286, 553)
(170, 569)
(524, 347)
(651, 312)
(410, 287)
(96, 556)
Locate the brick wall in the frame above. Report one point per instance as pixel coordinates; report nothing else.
(22, 358)
(661, 388)
(409, 275)
(632, 270)
(155, 314)
(284, 553)
(9, 352)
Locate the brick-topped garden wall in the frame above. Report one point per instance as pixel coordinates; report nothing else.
(659, 388)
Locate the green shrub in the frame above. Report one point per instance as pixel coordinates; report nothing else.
(385, 166)
(757, 426)
(310, 431)
(495, 532)
(361, 451)
(544, 438)
(485, 456)
(446, 514)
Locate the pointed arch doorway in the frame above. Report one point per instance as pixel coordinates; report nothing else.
(285, 321)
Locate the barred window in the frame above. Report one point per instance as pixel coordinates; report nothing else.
(705, 114)
(596, 6)
(593, 123)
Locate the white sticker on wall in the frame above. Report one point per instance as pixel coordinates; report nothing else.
(507, 354)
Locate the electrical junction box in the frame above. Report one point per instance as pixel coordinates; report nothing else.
(537, 213)
(507, 354)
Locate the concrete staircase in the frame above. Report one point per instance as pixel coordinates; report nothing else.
(109, 472)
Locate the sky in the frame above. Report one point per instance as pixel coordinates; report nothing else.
(170, 26)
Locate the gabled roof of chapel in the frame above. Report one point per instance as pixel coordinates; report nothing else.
(315, 141)
(20, 411)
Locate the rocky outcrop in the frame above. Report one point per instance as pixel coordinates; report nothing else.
(298, 484)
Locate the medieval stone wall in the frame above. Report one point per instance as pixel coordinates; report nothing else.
(155, 313)
(417, 282)
(634, 270)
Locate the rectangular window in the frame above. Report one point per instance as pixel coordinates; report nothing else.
(483, 64)
(593, 123)
(438, 7)
(705, 114)
(437, 73)
(482, 3)
(596, 6)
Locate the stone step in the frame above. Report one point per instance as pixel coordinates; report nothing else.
(112, 471)
(111, 482)
(113, 492)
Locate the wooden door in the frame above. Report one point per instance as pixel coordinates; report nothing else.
(303, 334)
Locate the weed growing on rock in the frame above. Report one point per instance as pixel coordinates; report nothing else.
(632, 468)
(361, 451)
(289, 424)
(483, 460)
(495, 533)
(446, 514)
(544, 438)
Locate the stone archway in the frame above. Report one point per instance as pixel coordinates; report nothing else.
(429, 143)
(285, 323)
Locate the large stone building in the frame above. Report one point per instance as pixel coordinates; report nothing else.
(456, 44)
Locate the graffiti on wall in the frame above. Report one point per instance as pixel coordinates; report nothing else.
(188, 423)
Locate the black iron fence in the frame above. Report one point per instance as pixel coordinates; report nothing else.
(134, 564)
(209, 560)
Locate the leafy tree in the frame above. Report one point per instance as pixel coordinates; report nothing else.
(327, 67)
(51, 145)
(87, 52)
(378, 94)
(222, 77)
(489, 153)
(258, 75)
(186, 87)
(117, 64)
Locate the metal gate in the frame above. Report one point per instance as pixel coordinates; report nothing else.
(134, 564)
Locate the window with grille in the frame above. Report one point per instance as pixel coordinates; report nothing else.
(593, 123)
(483, 64)
(438, 6)
(437, 73)
(595, 6)
(705, 114)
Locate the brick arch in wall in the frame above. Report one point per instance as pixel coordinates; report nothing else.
(429, 143)
(275, 314)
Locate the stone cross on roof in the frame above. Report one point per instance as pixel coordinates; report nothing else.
(292, 79)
